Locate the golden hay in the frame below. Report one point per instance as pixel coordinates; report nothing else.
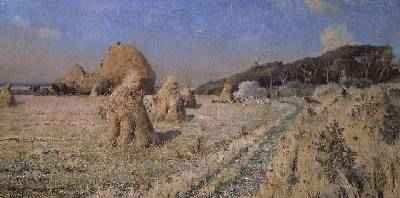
(188, 97)
(168, 102)
(122, 58)
(6, 97)
(227, 93)
(126, 105)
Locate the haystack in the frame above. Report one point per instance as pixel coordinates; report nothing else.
(176, 109)
(74, 75)
(122, 58)
(188, 97)
(227, 93)
(6, 97)
(126, 105)
(77, 80)
(169, 104)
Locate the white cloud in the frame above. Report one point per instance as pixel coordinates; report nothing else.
(335, 36)
(40, 32)
(321, 6)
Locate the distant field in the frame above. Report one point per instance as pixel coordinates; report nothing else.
(57, 146)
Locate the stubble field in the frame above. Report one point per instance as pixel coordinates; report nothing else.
(58, 146)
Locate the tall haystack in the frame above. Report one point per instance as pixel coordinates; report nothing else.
(126, 105)
(120, 59)
(6, 97)
(188, 97)
(169, 104)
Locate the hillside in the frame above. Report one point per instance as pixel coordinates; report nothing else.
(348, 62)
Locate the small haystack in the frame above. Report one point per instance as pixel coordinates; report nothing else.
(76, 81)
(226, 95)
(6, 97)
(169, 103)
(188, 97)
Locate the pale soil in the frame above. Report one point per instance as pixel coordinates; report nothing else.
(58, 146)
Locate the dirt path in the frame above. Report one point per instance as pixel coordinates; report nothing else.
(249, 165)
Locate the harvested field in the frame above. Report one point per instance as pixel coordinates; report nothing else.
(57, 147)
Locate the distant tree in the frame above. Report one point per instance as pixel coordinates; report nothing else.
(283, 77)
(387, 56)
(34, 88)
(396, 61)
(386, 62)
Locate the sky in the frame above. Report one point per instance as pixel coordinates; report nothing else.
(198, 40)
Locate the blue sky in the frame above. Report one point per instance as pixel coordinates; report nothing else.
(39, 39)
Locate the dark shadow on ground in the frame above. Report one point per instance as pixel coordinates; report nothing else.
(198, 106)
(168, 136)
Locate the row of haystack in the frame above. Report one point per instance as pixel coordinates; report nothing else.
(127, 71)
(126, 106)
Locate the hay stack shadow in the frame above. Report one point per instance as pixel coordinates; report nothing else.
(168, 136)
